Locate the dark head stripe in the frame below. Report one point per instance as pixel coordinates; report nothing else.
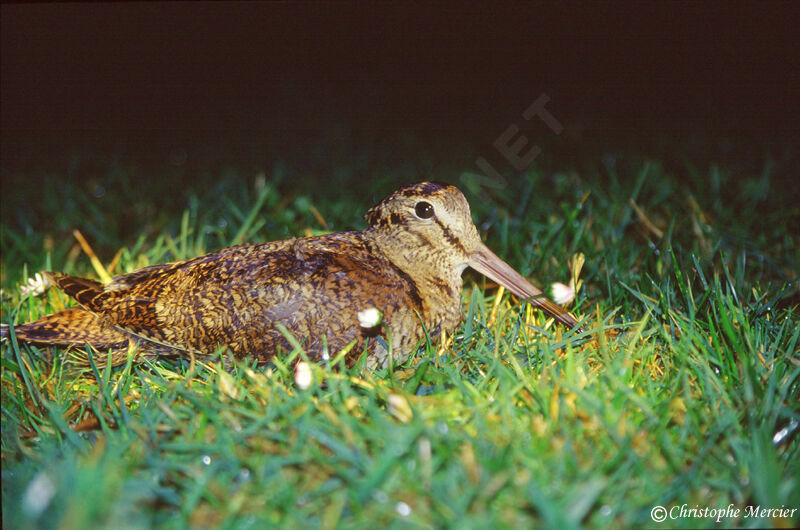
(448, 235)
(423, 188)
(377, 215)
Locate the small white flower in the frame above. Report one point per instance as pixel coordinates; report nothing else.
(38, 494)
(562, 294)
(227, 385)
(403, 509)
(302, 375)
(399, 408)
(369, 318)
(35, 286)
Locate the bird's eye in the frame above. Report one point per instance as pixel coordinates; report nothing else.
(424, 210)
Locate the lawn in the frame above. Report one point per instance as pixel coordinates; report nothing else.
(684, 390)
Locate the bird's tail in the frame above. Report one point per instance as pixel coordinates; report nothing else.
(75, 328)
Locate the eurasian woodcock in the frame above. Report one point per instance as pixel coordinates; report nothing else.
(407, 264)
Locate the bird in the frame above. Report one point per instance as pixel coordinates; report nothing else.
(407, 264)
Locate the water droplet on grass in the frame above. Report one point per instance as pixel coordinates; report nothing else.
(783, 433)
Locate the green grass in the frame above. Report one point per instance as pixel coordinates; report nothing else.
(685, 389)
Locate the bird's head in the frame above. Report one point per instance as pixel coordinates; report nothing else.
(426, 229)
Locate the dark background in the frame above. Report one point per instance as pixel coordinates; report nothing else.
(274, 78)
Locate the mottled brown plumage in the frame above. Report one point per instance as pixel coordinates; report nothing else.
(407, 264)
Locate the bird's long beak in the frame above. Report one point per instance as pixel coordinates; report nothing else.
(487, 263)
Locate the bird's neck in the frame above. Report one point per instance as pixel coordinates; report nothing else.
(432, 269)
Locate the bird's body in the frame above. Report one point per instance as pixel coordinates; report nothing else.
(407, 264)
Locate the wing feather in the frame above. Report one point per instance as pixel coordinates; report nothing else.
(236, 297)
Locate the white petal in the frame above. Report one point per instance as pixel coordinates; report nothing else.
(302, 375)
(562, 294)
(38, 494)
(369, 318)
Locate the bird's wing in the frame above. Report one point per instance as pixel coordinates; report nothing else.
(169, 303)
(235, 297)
